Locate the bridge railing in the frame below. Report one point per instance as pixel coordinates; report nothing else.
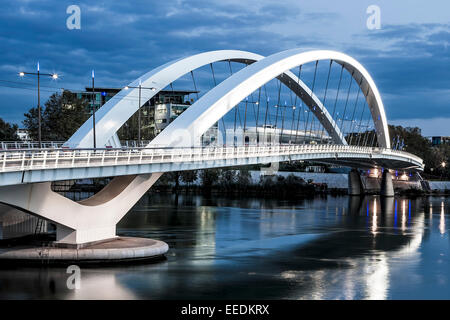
(24, 145)
(32, 159)
(132, 144)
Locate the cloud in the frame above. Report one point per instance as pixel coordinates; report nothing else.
(122, 40)
(430, 127)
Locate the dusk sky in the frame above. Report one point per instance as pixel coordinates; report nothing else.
(409, 57)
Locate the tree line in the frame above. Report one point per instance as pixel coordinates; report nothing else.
(233, 181)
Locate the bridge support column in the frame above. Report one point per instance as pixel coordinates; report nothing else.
(387, 187)
(355, 187)
(85, 221)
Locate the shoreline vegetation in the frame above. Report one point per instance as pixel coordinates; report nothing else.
(234, 183)
(231, 182)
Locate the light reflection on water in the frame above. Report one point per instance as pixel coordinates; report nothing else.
(321, 248)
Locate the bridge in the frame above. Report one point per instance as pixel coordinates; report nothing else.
(318, 132)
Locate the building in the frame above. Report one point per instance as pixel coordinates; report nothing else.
(102, 95)
(23, 134)
(315, 168)
(165, 107)
(435, 141)
(156, 114)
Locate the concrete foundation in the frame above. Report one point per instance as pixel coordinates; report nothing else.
(355, 187)
(120, 249)
(387, 187)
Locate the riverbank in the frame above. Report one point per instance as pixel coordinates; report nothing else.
(285, 184)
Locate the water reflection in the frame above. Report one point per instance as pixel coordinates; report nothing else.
(319, 248)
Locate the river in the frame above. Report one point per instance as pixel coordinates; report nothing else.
(328, 247)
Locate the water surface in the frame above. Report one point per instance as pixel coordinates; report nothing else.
(319, 248)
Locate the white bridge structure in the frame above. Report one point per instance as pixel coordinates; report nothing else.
(26, 174)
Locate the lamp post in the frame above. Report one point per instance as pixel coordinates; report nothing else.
(39, 74)
(140, 87)
(93, 109)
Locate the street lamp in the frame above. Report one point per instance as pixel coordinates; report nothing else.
(93, 108)
(140, 87)
(39, 74)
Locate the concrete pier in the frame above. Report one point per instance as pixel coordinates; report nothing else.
(387, 187)
(120, 249)
(355, 187)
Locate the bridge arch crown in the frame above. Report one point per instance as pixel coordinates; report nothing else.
(111, 116)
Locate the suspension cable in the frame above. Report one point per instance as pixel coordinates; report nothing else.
(215, 84)
(245, 117)
(301, 109)
(278, 104)
(313, 104)
(362, 115)
(195, 86)
(293, 105)
(337, 95)
(267, 109)
(367, 125)
(354, 110)
(283, 113)
(367, 133)
(346, 102)
(257, 115)
(374, 135)
(325, 98)
(293, 109)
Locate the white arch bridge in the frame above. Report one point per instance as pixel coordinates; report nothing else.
(321, 135)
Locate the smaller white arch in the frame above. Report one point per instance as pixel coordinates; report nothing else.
(113, 114)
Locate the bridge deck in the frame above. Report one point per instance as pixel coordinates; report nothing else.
(27, 166)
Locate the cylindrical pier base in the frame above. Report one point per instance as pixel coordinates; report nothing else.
(120, 249)
(355, 187)
(387, 187)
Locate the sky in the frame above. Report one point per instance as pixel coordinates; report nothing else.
(408, 57)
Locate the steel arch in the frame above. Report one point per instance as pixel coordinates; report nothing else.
(219, 100)
(113, 114)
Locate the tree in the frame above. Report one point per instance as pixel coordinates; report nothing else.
(433, 156)
(8, 132)
(174, 177)
(227, 178)
(243, 179)
(416, 144)
(62, 115)
(188, 176)
(442, 157)
(209, 177)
